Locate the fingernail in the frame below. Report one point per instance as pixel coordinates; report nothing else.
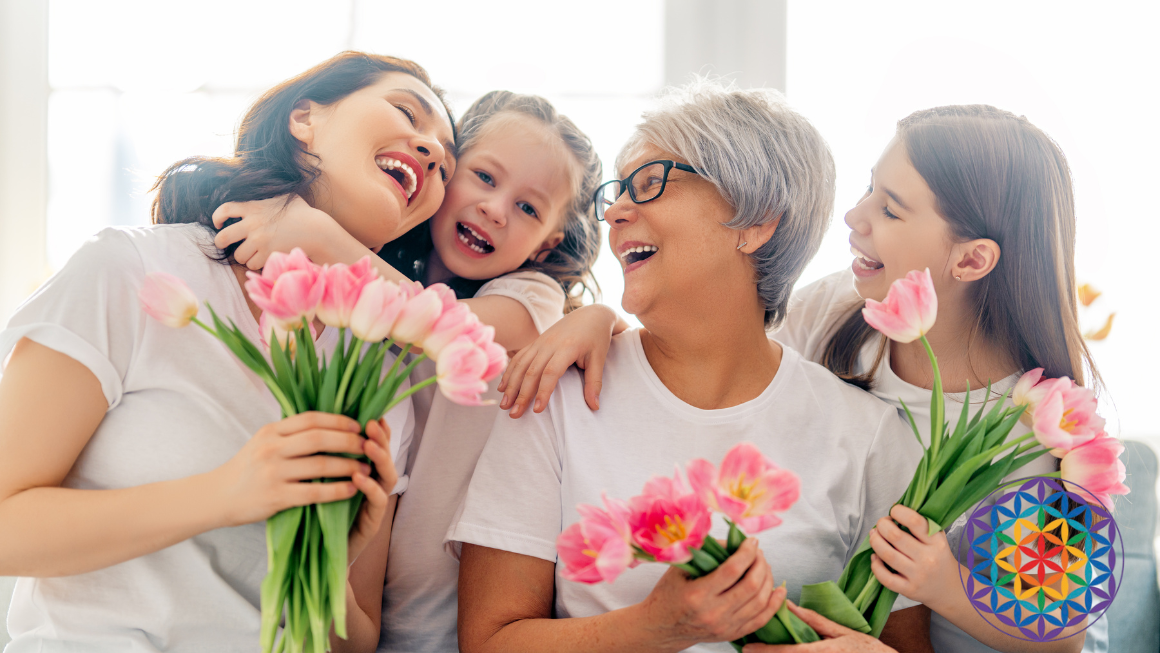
(505, 402)
(364, 468)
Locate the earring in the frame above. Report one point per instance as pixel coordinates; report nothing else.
(743, 244)
(958, 277)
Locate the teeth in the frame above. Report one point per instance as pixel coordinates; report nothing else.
(387, 163)
(859, 254)
(470, 245)
(638, 250)
(476, 234)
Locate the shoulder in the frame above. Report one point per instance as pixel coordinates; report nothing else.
(815, 310)
(540, 294)
(114, 246)
(818, 386)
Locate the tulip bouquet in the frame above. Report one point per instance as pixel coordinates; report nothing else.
(669, 522)
(961, 466)
(307, 546)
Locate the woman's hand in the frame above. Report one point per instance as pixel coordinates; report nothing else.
(370, 518)
(582, 337)
(264, 477)
(924, 569)
(277, 224)
(835, 638)
(732, 601)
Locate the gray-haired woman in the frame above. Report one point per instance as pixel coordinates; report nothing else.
(729, 194)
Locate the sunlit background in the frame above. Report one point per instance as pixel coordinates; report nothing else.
(133, 86)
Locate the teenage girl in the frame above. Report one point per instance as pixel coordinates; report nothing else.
(139, 462)
(983, 199)
(515, 237)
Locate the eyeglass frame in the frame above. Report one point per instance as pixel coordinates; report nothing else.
(668, 164)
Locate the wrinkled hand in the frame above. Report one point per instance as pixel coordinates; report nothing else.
(265, 476)
(582, 337)
(835, 638)
(277, 224)
(732, 601)
(924, 568)
(370, 518)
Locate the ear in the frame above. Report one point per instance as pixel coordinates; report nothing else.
(754, 237)
(550, 243)
(974, 259)
(303, 120)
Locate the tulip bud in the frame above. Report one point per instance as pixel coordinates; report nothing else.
(167, 299)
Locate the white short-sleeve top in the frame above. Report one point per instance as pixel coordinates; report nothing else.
(179, 404)
(815, 313)
(420, 599)
(849, 449)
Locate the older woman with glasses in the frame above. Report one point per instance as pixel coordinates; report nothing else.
(729, 193)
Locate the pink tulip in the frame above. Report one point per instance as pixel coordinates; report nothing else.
(596, 548)
(446, 295)
(747, 489)
(288, 288)
(460, 370)
(344, 284)
(1096, 467)
(167, 299)
(270, 329)
(497, 360)
(418, 316)
(909, 310)
(667, 521)
(1066, 417)
(456, 320)
(376, 310)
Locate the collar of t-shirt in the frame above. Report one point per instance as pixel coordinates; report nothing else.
(890, 388)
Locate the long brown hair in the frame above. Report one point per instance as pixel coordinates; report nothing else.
(268, 160)
(995, 175)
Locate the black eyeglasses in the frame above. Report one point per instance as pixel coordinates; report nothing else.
(644, 184)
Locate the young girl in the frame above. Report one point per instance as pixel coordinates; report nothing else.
(139, 462)
(516, 237)
(983, 199)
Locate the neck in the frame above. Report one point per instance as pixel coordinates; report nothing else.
(962, 359)
(436, 271)
(712, 361)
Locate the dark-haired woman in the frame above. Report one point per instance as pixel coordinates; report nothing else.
(983, 199)
(137, 462)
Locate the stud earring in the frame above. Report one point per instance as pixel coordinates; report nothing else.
(743, 244)
(958, 277)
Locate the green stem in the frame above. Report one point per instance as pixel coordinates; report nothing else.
(271, 383)
(350, 360)
(410, 391)
(937, 402)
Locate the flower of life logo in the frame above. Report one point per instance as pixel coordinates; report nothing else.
(1041, 558)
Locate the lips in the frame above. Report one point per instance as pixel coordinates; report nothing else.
(474, 238)
(634, 251)
(404, 170)
(862, 259)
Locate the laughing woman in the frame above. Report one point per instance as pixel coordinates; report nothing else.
(728, 195)
(137, 462)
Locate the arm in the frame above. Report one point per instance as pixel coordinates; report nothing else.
(280, 224)
(926, 571)
(581, 338)
(505, 604)
(50, 406)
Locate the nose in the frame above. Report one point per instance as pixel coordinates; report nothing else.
(431, 153)
(491, 210)
(620, 213)
(856, 220)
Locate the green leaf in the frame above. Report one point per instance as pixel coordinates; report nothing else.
(798, 630)
(285, 375)
(828, 600)
(703, 561)
(334, 519)
(329, 380)
(773, 632)
(855, 575)
(281, 532)
(881, 611)
(913, 425)
(362, 372)
(689, 569)
(736, 537)
(714, 548)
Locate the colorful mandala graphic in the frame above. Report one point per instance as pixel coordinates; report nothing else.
(1041, 557)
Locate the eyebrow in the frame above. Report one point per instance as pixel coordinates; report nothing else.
(892, 194)
(420, 99)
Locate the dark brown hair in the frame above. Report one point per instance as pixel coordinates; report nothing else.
(268, 160)
(570, 262)
(995, 175)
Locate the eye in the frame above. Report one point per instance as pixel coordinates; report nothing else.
(407, 110)
(485, 178)
(443, 173)
(886, 212)
(527, 208)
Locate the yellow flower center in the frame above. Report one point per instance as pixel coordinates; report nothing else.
(673, 530)
(1065, 423)
(747, 492)
(589, 552)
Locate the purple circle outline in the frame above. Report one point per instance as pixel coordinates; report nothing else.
(985, 512)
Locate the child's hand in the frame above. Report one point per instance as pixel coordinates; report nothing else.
(582, 337)
(277, 224)
(924, 569)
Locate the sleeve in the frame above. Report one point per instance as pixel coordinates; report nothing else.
(513, 501)
(537, 292)
(890, 465)
(813, 313)
(88, 311)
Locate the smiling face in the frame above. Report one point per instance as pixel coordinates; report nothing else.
(896, 228)
(384, 152)
(506, 202)
(675, 250)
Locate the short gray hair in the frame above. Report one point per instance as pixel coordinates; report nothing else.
(765, 159)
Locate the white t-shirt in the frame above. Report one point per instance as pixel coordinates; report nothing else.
(179, 404)
(420, 600)
(815, 312)
(848, 448)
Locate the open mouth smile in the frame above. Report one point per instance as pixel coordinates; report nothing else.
(404, 170)
(864, 264)
(473, 239)
(634, 254)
